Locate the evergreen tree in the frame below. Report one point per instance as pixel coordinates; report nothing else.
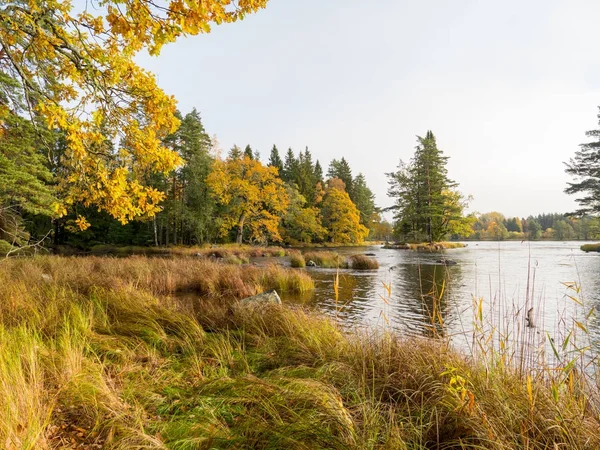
(341, 169)
(235, 153)
(364, 199)
(427, 206)
(248, 152)
(290, 167)
(275, 160)
(318, 174)
(585, 168)
(305, 177)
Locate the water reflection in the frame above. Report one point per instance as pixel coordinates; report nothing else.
(508, 276)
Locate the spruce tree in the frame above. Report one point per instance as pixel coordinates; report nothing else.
(427, 205)
(341, 169)
(585, 168)
(275, 160)
(248, 152)
(290, 167)
(235, 153)
(318, 173)
(364, 199)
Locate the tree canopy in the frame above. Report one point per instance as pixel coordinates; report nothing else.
(77, 73)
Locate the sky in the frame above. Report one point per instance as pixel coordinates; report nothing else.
(508, 88)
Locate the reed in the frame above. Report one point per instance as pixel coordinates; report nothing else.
(103, 355)
(363, 262)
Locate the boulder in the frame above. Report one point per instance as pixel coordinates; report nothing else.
(311, 263)
(265, 297)
(446, 262)
(47, 278)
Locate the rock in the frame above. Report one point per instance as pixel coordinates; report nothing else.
(446, 262)
(370, 254)
(311, 263)
(47, 278)
(529, 318)
(265, 297)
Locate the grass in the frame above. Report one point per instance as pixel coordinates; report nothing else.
(297, 259)
(103, 354)
(222, 251)
(590, 247)
(363, 262)
(326, 259)
(425, 246)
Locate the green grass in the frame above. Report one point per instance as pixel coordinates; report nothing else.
(106, 355)
(590, 247)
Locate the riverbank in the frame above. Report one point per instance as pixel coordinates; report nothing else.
(108, 353)
(425, 246)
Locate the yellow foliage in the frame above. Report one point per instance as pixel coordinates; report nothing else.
(254, 197)
(342, 218)
(77, 72)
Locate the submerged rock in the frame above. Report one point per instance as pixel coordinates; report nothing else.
(446, 262)
(265, 297)
(370, 254)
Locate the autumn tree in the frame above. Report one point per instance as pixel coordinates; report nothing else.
(301, 223)
(341, 218)
(253, 198)
(77, 71)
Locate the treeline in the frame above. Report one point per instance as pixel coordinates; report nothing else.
(560, 227)
(209, 198)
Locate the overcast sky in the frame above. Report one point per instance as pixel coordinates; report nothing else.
(508, 88)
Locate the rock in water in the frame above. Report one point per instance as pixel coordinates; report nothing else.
(265, 297)
(529, 318)
(311, 263)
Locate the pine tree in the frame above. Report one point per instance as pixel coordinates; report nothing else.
(275, 160)
(318, 174)
(585, 168)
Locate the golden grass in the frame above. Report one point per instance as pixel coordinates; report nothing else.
(590, 247)
(103, 355)
(363, 262)
(326, 259)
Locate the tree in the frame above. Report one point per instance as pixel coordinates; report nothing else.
(341, 169)
(585, 168)
(248, 152)
(318, 173)
(275, 160)
(252, 196)
(77, 71)
(341, 218)
(301, 223)
(534, 229)
(427, 205)
(290, 167)
(364, 199)
(234, 153)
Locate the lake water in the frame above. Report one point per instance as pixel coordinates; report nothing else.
(560, 282)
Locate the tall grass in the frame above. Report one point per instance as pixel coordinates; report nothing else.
(326, 259)
(103, 355)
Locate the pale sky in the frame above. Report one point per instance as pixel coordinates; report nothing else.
(508, 88)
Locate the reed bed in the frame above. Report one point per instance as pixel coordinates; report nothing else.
(363, 262)
(206, 251)
(590, 247)
(97, 353)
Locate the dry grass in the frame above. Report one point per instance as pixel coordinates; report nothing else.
(103, 355)
(222, 251)
(326, 259)
(363, 262)
(297, 259)
(590, 247)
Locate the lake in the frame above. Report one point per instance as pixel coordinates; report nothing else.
(560, 282)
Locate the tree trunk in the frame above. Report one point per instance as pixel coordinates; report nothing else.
(240, 232)
(155, 231)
